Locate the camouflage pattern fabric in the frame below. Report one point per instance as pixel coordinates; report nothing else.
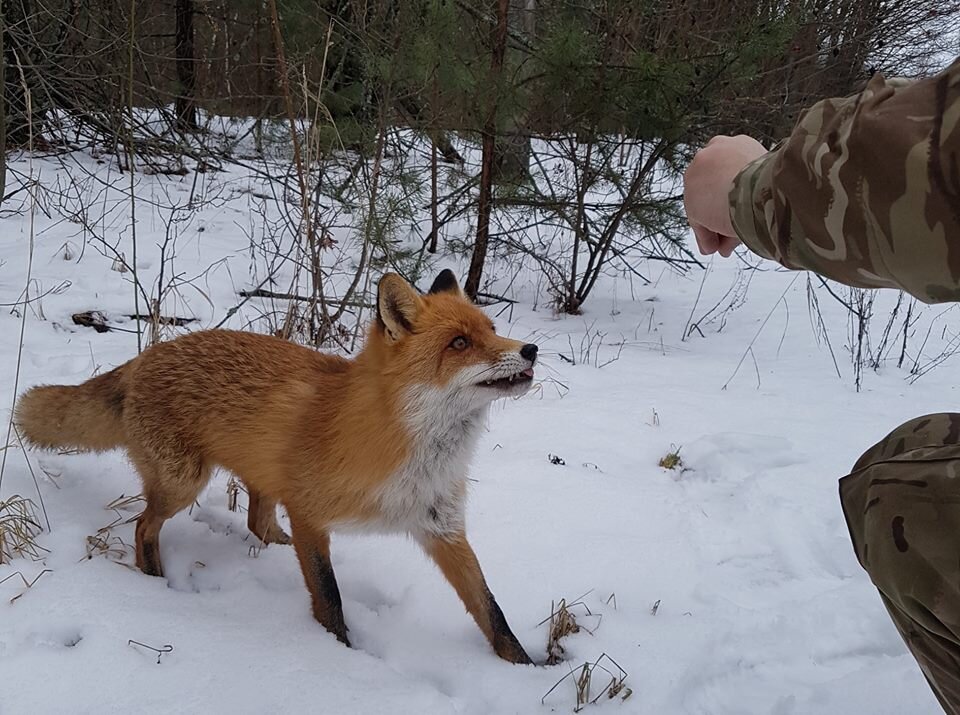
(866, 190)
(902, 504)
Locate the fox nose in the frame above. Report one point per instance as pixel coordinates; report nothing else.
(529, 352)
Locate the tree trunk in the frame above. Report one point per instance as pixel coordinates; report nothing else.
(17, 125)
(434, 198)
(186, 107)
(3, 114)
(512, 162)
(472, 284)
(434, 190)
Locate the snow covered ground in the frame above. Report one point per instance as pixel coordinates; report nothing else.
(762, 606)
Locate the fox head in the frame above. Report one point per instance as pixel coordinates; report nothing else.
(442, 343)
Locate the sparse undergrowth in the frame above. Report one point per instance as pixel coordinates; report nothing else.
(672, 460)
(563, 622)
(107, 544)
(584, 687)
(19, 528)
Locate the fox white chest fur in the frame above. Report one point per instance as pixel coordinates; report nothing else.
(427, 494)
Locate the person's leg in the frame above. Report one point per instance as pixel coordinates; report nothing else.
(902, 505)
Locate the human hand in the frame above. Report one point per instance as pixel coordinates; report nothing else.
(706, 186)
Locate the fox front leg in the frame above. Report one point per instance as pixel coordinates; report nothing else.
(313, 552)
(456, 559)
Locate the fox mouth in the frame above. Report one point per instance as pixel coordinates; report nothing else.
(505, 383)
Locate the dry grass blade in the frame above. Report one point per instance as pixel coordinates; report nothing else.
(128, 504)
(111, 547)
(563, 622)
(583, 680)
(104, 542)
(27, 584)
(19, 528)
(234, 489)
(28, 99)
(618, 679)
(33, 475)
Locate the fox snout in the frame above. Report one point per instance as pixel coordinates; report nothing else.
(512, 373)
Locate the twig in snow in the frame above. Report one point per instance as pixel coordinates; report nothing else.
(759, 330)
(159, 651)
(26, 584)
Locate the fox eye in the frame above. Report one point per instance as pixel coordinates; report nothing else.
(459, 343)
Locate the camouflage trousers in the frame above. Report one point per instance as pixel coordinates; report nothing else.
(902, 504)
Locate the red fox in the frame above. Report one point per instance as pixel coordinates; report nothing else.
(380, 442)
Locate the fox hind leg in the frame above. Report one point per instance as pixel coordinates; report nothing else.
(169, 486)
(262, 519)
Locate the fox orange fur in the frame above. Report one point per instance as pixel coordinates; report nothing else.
(380, 442)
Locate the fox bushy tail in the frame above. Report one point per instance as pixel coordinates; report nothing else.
(87, 417)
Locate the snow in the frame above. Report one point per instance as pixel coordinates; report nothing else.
(762, 605)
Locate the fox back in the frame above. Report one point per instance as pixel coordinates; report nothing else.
(381, 441)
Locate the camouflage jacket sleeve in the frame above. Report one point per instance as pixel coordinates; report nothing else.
(866, 190)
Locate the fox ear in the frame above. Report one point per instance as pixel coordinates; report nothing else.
(445, 282)
(397, 305)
